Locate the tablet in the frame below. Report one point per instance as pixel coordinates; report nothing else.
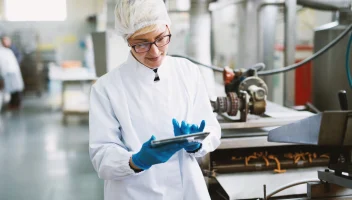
(199, 137)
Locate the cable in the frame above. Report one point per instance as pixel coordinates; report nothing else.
(348, 71)
(258, 66)
(215, 68)
(289, 186)
(288, 68)
(314, 56)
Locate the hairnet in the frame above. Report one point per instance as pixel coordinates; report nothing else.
(132, 15)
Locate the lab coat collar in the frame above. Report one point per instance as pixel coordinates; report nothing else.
(147, 74)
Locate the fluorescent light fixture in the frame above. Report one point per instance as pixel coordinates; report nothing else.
(35, 10)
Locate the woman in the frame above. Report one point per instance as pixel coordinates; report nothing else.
(143, 99)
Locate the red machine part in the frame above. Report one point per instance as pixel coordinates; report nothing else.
(228, 75)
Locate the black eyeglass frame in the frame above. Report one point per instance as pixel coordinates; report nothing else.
(151, 43)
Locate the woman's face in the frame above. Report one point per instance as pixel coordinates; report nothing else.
(153, 57)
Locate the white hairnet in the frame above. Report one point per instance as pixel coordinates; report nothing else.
(132, 15)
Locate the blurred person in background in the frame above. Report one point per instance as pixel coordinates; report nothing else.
(142, 100)
(1, 92)
(11, 77)
(7, 42)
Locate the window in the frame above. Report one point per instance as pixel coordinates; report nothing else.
(35, 10)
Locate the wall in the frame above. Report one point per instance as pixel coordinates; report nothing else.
(64, 35)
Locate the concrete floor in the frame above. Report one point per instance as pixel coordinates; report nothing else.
(40, 159)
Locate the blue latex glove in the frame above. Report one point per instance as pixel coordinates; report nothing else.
(186, 129)
(149, 156)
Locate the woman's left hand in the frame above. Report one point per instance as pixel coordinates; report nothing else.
(186, 129)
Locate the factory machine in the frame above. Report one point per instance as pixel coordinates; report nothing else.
(245, 157)
(309, 150)
(331, 131)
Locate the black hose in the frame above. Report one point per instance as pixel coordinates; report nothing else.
(314, 56)
(285, 69)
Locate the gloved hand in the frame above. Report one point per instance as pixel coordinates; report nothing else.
(186, 129)
(149, 156)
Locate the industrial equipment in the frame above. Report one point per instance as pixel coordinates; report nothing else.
(246, 92)
(328, 129)
(329, 72)
(246, 164)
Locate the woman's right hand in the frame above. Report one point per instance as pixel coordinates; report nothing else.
(149, 155)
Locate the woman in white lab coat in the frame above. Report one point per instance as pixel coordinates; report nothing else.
(136, 103)
(11, 76)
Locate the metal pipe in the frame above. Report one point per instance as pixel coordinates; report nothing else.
(267, 12)
(271, 3)
(326, 4)
(290, 49)
(289, 186)
(289, 43)
(219, 5)
(259, 36)
(199, 40)
(247, 33)
(178, 11)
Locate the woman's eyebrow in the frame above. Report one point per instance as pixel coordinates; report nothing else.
(160, 34)
(140, 40)
(146, 40)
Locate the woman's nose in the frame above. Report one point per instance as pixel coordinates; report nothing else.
(154, 50)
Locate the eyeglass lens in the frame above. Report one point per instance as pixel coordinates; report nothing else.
(144, 47)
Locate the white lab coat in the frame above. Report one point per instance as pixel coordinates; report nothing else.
(10, 71)
(127, 107)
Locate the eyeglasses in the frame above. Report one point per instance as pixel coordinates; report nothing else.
(145, 46)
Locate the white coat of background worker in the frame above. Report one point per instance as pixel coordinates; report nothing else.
(146, 98)
(11, 77)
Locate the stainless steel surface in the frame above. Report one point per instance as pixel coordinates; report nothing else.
(326, 4)
(290, 49)
(249, 142)
(324, 190)
(261, 122)
(277, 115)
(348, 137)
(249, 185)
(329, 73)
(326, 129)
(332, 178)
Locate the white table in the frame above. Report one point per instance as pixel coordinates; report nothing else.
(78, 105)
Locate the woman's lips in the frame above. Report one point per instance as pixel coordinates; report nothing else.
(154, 59)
